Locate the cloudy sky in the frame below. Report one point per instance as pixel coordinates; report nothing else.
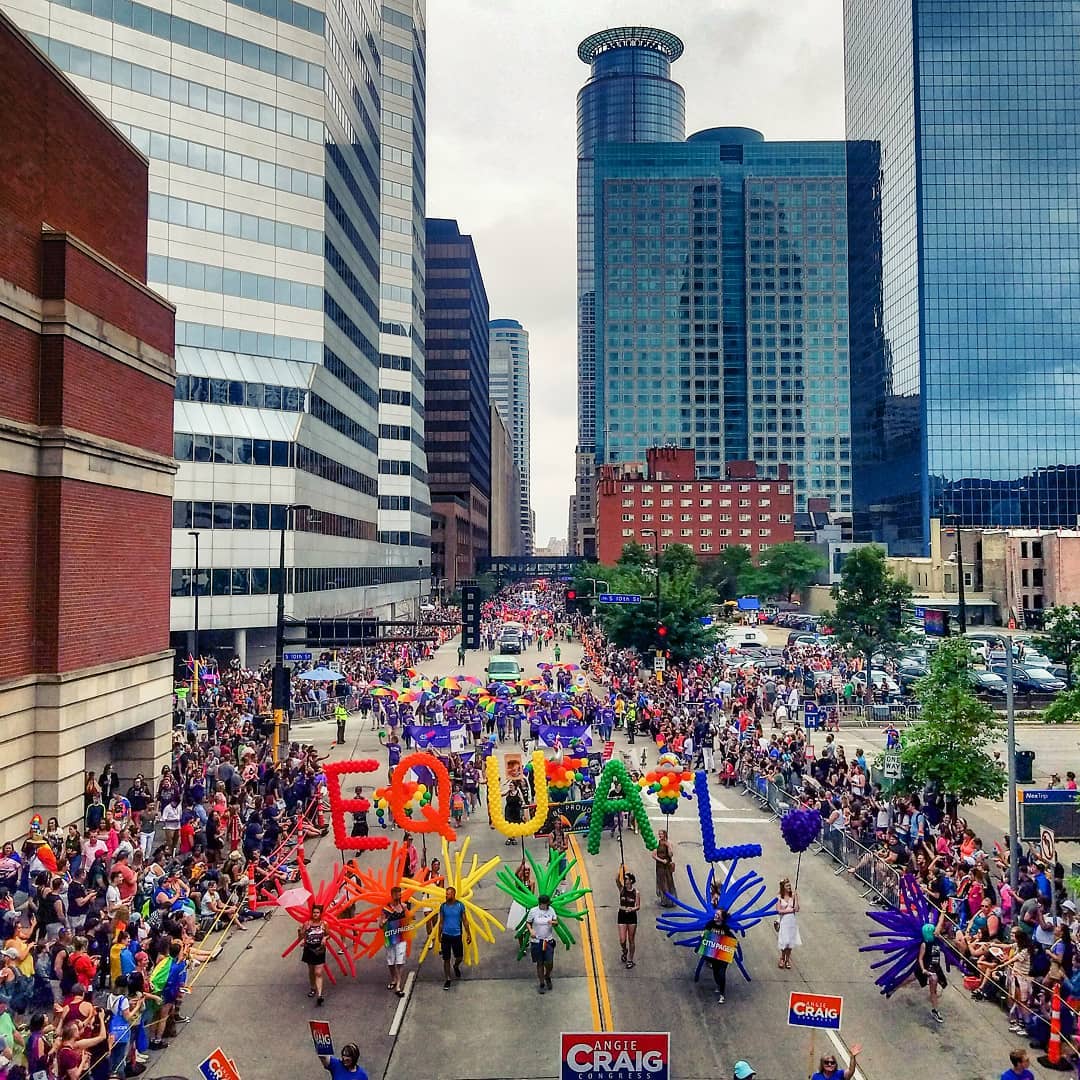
(503, 76)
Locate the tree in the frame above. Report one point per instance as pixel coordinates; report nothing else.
(678, 559)
(729, 573)
(869, 601)
(787, 568)
(951, 744)
(1061, 635)
(1064, 709)
(635, 555)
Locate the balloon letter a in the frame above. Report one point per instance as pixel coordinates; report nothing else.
(630, 800)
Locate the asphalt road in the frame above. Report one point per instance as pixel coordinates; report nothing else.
(493, 1024)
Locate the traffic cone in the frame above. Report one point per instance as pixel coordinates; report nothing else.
(252, 899)
(1052, 1058)
(320, 815)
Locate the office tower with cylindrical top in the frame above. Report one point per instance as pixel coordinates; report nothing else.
(630, 97)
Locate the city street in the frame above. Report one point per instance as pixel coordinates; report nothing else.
(493, 1024)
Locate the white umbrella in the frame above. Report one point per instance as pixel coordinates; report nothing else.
(293, 897)
(321, 674)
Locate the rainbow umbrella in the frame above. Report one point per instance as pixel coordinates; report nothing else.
(409, 697)
(449, 682)
(566, 711)
(569, 667)
(381, 691)
(545, 666)
(522, 701)
(489, 705)
(472, 680)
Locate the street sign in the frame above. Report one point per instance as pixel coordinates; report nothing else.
(920, 613)
(296, 656)
(814, 1010)
(644, 1055)
(1047, 845)
(659, 664)
(891, 766)
(618, 598)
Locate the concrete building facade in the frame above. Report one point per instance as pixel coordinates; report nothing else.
(510, 392)
(506, 535)
(86, 467)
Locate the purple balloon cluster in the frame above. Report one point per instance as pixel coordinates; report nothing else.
(800, 828)
(902, 936)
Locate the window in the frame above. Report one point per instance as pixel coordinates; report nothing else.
(744, 502)
(666, 502)
(704, 547)
(744, 487)
(628, 517)
(686, 532)
(764, 517)
(746, 532)
(784, 489)
(686, 517)
(666, 517)
(764, 532)
(1024, 555)
(764, 502)
(1036, 578)
(1024, 576)
(1036, 549)
(667, 487)
(628, 532)
(784, 519)
(705, 488)
(628, 502)
(686, 502)
(708, 502)
(646, 502)
(745, 517)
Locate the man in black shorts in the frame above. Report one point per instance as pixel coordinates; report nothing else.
(453, 926)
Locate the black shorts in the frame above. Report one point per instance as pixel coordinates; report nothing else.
(313, 956)
(543, 952)
(922, 978)
(452, 945)
(627, 918)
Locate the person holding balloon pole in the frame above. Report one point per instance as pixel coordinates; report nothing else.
(541, 921)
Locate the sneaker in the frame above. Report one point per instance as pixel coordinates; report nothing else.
(158, 1044)
(719, 999)
(937, 1017)
(446, 985)
(541, 988)
(183, 1019)
(547, 983)
(457, 971)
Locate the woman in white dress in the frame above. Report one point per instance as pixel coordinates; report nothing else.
(787, 909)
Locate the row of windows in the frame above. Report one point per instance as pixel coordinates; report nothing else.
(289, 11)
(311, 461)
(397, 18)
(783, 489)
(251, 342)
(395, 467)
(401, 363)
(344, 271)
(227, 450)
(685, 504)
(395, 190)
(242, 283)
(404, 539)
(401, 433)
(237, 50)
(260, 516)
(265, 581)
(212, 159)
(345, 374)
(705, 546)
(397, 86)
(346, 425)
(395, 397)
(235, 392)
(393, 51)
(396, 293)
(159, 84)
(342, 217)
(196, 215)
(404, 502)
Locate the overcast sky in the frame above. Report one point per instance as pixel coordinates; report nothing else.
(503, 76)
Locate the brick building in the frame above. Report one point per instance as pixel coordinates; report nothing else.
(86, 465)
(706, 515)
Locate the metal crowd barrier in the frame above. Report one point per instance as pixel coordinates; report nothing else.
(821, 717)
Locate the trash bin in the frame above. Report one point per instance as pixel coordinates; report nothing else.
(1025, 761)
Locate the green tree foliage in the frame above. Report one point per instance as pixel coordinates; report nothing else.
(784, 569)
(1064, 709)
(951, 744)
(1061, 634)
(679, 559)
(635, 555)
(731, 573)
(869, 598)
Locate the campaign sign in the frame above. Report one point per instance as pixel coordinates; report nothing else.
(815, 1010)
(717, 947)
(218, 1067)
(643, 1055)
(320, 1036)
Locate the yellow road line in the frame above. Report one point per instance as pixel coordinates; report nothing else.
(599, 998)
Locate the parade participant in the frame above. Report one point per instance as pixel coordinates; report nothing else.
(718, 925)
(453, 926)
(345, 1066)
(1018, 1069)
(313, 933)
(788, 937)
(393, 923)
(541, 921)
(827, 1069)
(929, 971)
(629, 906)
(664, 857)
(743, 1071)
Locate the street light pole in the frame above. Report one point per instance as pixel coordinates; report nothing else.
(1010, 750)
(656, 563)
(196, 651)
(279, 685)
(419, 591)
(961, 598)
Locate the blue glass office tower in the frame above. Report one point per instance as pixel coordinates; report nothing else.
(629, 98)
(965, 121)
(722, 305)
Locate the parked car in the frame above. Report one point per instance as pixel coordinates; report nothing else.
(1031, 680)
(882, 681)
(510, 642)
(988, 684)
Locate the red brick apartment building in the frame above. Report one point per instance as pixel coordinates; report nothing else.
(707, 515)
(86, 466)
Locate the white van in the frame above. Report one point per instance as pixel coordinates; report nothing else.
(738, 636)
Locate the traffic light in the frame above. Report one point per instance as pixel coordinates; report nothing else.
(571, 596)
(661, 632)
(470, 616)
(281, 688)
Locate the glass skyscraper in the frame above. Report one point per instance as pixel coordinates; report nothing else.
(964, 117)
(510, 393)
(284, 141)
(721, 311)
(629, 97)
